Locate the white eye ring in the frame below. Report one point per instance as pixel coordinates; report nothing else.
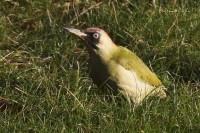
(96, 35)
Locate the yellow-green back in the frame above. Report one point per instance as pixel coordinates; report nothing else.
(132, 62)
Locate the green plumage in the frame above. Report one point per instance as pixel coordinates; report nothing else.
(132, 62)
(118, 67)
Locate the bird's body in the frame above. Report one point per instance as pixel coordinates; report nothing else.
(119, 67)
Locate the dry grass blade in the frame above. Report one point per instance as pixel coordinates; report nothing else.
(76, 98)
(85, 11)
(10, 105)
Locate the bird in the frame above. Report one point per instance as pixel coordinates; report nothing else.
(118, 67)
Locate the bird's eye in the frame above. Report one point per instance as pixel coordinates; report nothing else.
(96, 35)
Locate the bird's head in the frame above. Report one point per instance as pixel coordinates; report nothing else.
(96, 40)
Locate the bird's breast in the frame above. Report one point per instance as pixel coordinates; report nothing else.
(98, 71)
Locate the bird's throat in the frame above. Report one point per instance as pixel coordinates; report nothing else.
(94, 47)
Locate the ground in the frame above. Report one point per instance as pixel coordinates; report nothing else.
(44, 84)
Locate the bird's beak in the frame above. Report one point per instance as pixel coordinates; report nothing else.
(77, 32)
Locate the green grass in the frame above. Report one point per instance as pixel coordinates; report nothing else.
(44, 85)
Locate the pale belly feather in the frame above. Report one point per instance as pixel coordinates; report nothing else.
(131, 86)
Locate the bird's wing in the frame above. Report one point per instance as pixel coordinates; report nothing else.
(131, 61)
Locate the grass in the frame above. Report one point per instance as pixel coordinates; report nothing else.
(44, 86)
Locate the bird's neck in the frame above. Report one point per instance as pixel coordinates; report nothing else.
(108, 53)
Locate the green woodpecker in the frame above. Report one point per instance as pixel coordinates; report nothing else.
(118, 67)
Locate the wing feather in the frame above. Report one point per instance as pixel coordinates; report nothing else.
(131, 61)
